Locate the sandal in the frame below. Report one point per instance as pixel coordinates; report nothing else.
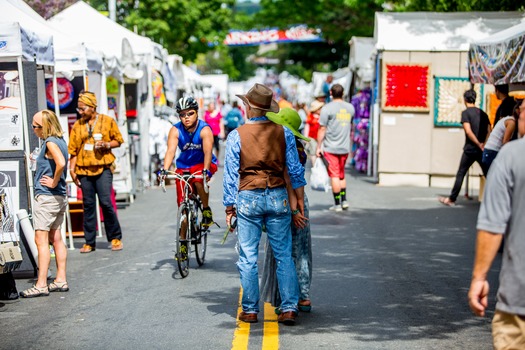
(34, 292)
(305, 305)
(86, 248)
(446, 201)
(58, 286)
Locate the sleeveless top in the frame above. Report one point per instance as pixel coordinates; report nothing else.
(45, 166)
(495, 140)
(190, 145)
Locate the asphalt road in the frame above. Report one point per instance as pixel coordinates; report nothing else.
(390, 273)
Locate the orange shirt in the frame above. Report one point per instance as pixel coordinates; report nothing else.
(91, 161)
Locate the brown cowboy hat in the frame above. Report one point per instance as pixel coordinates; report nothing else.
(260, 97)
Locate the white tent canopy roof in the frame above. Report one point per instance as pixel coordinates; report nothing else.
(432, 31)
(103, 33)
(69, 54)
(505, 35)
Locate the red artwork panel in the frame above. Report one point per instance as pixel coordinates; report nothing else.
(405, 87)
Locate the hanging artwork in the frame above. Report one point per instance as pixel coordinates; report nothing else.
(10, 112)
(405, 87)
(448, 99)
(66, 93)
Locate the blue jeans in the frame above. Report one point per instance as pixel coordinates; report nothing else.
(269, 207)
(488, 157)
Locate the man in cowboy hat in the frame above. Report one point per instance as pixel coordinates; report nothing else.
(257, 154)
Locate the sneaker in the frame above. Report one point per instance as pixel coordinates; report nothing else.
(207, 217)
(335, 207)
(183, 253)
(116, 244)
(344, 205)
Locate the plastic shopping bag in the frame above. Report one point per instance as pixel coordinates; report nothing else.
(319, 179)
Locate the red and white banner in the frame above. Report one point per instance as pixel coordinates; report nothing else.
(299, 33)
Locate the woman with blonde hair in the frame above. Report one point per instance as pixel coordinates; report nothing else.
(50, 204)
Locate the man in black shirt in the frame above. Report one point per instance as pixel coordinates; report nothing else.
(507, 102)
(476, 125)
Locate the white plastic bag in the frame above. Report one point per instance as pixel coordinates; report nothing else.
(319, 179)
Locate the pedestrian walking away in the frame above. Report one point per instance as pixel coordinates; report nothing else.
(477, 127)
(91, 140)
(501, 214)
(257, 154)
(333, 143)
(301, 237)
(50, 204)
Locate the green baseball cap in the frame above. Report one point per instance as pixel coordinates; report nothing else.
(289, 118)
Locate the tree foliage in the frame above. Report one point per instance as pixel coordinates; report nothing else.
(49, 8)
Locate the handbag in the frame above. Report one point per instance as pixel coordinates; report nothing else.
(319, 179)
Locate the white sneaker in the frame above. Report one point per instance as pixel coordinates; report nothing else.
(344, 205)
(335, 207)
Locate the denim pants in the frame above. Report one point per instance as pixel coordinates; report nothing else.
(101, 185)
(488, 157)
(268, 207)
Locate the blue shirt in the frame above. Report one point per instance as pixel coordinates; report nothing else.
(45, 166)
(232, 163)
(190, 145)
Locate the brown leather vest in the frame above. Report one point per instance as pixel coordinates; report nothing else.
(263, 156)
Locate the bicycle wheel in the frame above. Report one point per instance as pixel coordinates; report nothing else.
(182, 254)
(201, 235)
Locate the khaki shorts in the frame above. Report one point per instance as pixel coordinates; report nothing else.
(508, 331)
(48, 212)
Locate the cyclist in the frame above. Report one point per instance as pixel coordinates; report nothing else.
(194, 138)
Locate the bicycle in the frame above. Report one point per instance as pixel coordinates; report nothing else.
(190, 211)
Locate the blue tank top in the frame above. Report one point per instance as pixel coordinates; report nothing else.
(190, 145)
(45, 166)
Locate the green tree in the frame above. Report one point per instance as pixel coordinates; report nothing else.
(184, 27)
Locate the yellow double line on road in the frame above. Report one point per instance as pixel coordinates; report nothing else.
(270, 340)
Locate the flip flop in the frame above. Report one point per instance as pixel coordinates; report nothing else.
(58, 286)
(446, 201)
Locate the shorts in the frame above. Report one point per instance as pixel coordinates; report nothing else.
(180, 185)
(48, 212)
(507, 331)
(336, 164)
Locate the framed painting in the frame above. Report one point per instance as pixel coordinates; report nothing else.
(406, 87)
(448, 100)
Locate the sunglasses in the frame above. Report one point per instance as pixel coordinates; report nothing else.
(80, 110)
(36, 126)
(189, 114)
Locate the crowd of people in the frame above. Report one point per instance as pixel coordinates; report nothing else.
(267, 148)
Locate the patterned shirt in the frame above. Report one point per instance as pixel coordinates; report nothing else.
(91, 161)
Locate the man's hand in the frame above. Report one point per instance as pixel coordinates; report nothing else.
(161, 174)
(478, 296)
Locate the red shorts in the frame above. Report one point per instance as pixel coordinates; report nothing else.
(180, 185)
(336, 164)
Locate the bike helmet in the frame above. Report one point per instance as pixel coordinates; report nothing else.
(187, 103)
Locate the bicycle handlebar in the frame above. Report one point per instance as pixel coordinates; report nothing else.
(185, 178)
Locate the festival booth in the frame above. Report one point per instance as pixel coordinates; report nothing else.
(26, 56)
(421, 74)
(361, 65)
(127, 95)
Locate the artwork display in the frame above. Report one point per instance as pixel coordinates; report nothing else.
(9, 201)
(448, 100)
(406, 87)
(66, 93)
(10, 112)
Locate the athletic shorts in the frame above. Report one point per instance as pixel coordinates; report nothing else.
(336, 164)
(180, 185)
(48, 212)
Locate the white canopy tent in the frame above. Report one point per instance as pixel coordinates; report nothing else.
(433, 31)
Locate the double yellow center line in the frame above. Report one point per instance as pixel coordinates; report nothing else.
(270, 339)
